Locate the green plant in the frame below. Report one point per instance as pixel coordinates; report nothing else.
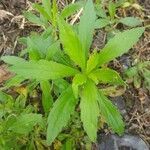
(20, 125)
(138, 73)
(110, 19)
(42, 46)
(48, 12)
(81, 77)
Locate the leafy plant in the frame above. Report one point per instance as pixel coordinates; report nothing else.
(48, 12)
(41, 46)
(20, 126)
(110, 19)
(82, 76)
(138, 73)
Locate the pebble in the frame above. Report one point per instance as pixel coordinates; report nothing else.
(126, 142)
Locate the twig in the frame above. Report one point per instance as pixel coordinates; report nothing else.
(76, 17)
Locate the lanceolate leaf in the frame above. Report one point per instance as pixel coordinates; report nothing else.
(60, 114)
(111, 114)
(25, 123)
(33, 18)
(106, 75)
(101, 23)
(52, 50)
(112, 9)
(39, 43)
(12, 60)
(100, 11)
(119, 45)
(71, 43)
(40, 70)
(54, 12)
(47, 99)
(78, 80)
(14, 81)
(130, 21)
(86, 26)
(61, 85)
(92, 62)
(89, 109)
(71, 8)
(4, 97)
(42, 11)
(47, 6)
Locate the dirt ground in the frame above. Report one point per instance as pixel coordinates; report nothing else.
(137, 101)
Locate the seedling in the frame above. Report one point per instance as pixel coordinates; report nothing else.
(110, 19)
(81, 77)
(140, 72)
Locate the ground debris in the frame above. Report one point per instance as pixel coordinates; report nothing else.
(4, 73)
(5, 14)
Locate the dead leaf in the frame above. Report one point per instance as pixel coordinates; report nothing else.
(5, 14)
(20, 20)
(57, 145)
(21, 90)
(114, 91)
(142, 96)
(4, 73)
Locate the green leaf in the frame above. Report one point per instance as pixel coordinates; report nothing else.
(78, 80)
(42, 11)
(101, 23)
(54, 13)
(14, 81)
(20, 101)
(69, 144)
(47, 6)
(92, 61)
(12, 60)
(89, 109)
(60, 114)
(40, 70)
(39, 43)
(4, 97)
(119, 45)
(71, 8)
(86, 26)
(34, 19)
(106, 75)
(52, 50)
(63, 58)
(71, 43)
(61, 85)
(112, 9)
(111, 114)
(130, 21)
(100, 11)
(131, 71)
(47, 100)
(34, 54)
(146, 75)
(25, 123)
(33, 49)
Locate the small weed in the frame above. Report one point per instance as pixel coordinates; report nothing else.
(138, 73)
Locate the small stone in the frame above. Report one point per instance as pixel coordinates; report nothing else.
(126, 142)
